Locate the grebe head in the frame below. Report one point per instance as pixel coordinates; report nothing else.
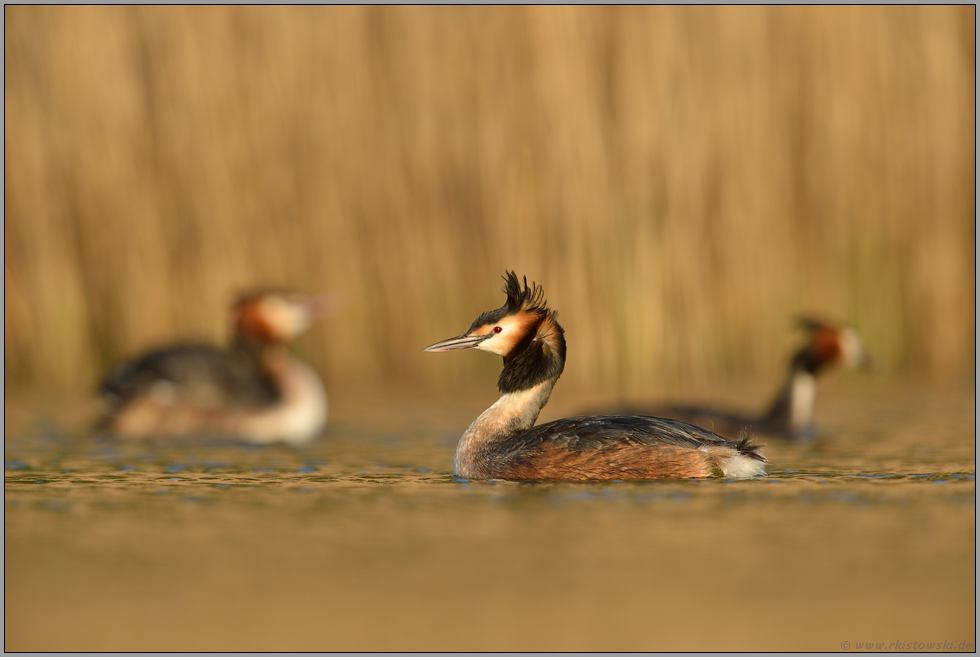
(524, 331)
(832, 344)
(273, 317)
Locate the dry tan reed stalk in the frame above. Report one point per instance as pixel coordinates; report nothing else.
(681, 180)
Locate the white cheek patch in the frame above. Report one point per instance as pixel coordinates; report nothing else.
(512, 330)
(850, 346)
(288, 320)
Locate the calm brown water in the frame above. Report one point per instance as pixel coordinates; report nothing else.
(364, 541)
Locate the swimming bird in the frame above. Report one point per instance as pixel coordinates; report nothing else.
(255, 390)
(503, 443)
(790, 415)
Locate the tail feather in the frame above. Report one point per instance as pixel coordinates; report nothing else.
(738, 459)
(746, 447)
(115, 390)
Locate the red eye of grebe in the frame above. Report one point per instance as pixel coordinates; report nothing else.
(497, 329)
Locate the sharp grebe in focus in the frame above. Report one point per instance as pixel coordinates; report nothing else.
(790, 414)
(503, 442)
(255, 390)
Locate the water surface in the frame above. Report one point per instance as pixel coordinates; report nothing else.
(364, 541)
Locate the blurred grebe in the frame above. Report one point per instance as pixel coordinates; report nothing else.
(790, 415)
(255, 390)
(503, 442)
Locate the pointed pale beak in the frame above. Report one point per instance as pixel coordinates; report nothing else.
(460, 342)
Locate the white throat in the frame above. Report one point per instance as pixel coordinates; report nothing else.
(513, 413)
(803, 390)
(301, 412)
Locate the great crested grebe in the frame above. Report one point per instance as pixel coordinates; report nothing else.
(255, 390)
(503, 442)
(790, 415)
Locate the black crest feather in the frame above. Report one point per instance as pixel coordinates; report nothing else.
(529, 298)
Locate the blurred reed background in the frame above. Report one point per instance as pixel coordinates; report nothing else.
(681, 180)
